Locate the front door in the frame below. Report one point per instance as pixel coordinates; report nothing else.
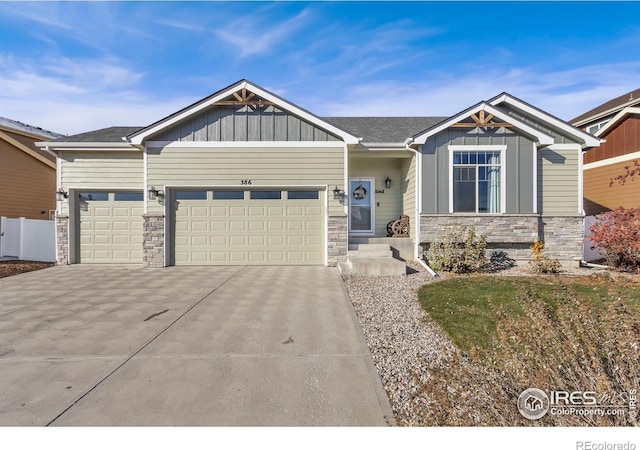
(361, 211)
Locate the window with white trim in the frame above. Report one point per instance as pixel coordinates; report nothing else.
(477, 181)
(594, 128)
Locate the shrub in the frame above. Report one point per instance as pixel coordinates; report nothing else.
(458, 251)
(540, 262)
(617, 235)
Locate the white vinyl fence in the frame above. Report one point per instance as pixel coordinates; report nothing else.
(590, 254)
(27, 239)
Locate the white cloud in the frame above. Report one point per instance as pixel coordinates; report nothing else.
(257, 35)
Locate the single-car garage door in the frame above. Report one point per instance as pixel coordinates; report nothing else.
(110, 227)
(248, 227)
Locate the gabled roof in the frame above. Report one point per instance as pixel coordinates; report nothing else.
(587, 139)
(28, 130)
(384, 129)
(541, 138)
(110, 134)
(609, 107)
(616, 119)
(137, 137)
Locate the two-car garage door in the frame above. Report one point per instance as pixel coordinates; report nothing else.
(248, 227)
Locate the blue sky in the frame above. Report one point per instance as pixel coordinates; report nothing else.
(79, 66)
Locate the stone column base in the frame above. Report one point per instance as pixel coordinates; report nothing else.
(62, 240)
(337, 240)
(153, 240)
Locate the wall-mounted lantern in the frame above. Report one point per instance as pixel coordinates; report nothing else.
(61, 195)
(153, 193)
(387, 183)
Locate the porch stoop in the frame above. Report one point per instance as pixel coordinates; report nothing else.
(371, 259)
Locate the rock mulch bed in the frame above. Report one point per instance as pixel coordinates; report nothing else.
(407, 347)
(15, 267)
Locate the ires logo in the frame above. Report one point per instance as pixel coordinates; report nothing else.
(576, 398)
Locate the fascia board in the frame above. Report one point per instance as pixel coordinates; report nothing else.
(138, 137)
(588, 139)
(608, 112)
(616, 119)
(542, 138)
(95, 146)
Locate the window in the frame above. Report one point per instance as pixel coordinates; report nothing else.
(266, 195)
(594, 128)
(94, 196)
(303, 195)
(191, 195)
(477, 181)
(129, 197)
(228, 195)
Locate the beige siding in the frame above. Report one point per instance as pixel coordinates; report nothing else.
(409, 192)
(602, 192)
(388, 205)
(558, 181)
(219, 166)
(101, 170)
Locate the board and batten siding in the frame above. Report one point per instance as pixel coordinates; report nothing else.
(244, 123)
(101, 170)
(518, 166)
(387, 205)
(558, 181)
(559, 136)
(408, 177)
(220, 166)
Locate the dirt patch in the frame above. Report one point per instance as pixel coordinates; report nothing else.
(8, 268)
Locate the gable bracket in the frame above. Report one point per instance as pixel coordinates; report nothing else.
(482, 122)
(244, 99)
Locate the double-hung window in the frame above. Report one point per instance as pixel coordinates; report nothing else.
(477, 181)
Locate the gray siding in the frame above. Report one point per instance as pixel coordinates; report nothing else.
(559, 136)
(519, 167)
(244, 123)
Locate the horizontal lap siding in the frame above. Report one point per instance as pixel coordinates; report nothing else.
(28, 185)
(558, 181)
(391, 200)
(101, 170)
(263, 166)
(602, 192)
(409, 192)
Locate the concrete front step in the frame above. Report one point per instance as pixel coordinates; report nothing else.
(372, 266)
(368, 253)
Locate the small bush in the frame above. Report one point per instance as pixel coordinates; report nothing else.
(458, 251)
(617, 235)
(541, 263)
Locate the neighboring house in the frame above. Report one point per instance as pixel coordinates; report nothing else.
(246, 177)
(617, 122)
(27, 174)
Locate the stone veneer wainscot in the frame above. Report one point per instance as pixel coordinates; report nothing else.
(153, 240)
(337, 238)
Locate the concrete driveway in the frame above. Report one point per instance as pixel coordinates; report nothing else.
(104, 345)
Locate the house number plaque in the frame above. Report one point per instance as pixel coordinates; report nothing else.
(245, 182)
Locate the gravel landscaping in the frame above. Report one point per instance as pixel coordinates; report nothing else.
(15, 267)
(407, 348)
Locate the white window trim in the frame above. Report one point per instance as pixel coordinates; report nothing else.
(503, 173)
(600, 125)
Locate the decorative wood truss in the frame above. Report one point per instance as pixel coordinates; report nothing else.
(244, 98)
(482, 120)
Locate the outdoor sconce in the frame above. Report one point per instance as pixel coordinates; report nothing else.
(153, 193)
(387, 183)
(61, 195)
(337, 193)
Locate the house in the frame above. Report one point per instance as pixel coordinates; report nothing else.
(243, 176)
(617, 122)
(27, 174)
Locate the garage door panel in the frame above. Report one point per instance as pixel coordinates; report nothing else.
(250, 231)
(110, 230)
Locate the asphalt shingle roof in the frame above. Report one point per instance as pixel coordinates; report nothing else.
(384, 129)
(110, 134)
(16, 125)
(611, 104)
